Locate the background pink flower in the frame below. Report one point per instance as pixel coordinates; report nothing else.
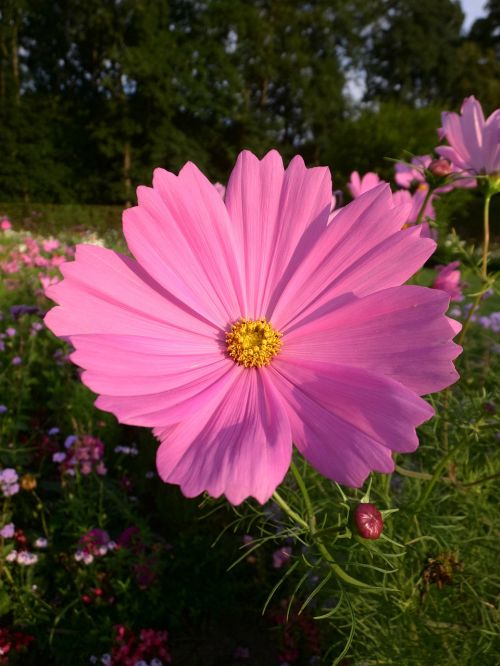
(474, 142)
(358, 185)
(449, 280)
(407, 175)
(338, 367)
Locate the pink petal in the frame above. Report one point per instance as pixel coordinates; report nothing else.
(337, 263)
(343, 419)
(106, 292)
(400, 333)
(181, 234)
(179, 398)
(240, 447)
(274, 212)
(152, 360)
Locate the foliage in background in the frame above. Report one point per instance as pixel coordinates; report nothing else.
(95, 94)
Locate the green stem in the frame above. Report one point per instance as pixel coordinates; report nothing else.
(484, 266)
(311, 528)
(435, 478)
(288, 509)
(307, 500)
(486, 242)
(422, 207)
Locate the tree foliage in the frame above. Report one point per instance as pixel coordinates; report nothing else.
(95, 93)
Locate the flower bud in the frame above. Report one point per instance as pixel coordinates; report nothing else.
(368, 520)
(440, 167)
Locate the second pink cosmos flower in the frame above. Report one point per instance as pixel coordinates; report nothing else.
(249, 323)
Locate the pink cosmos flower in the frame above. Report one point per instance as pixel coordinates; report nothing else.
(449, 280)
(333, 211)
(50, 244)
(358, 185)
(474, 142)
(47, 280)
(414, 203)
(5, 224)
(407, 175)
(221, 189)
(245, 324)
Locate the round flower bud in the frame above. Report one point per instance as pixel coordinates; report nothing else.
(368, 520)
(440, 167)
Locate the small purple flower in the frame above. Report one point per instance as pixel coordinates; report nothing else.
(17, 360)
(8, 491)
(10, 331)
(18, 310)
(41, 543)
(3, 409)
(36, 327)
(9, 482)
(58, 457)
(54, 431)
(69, 441)
(7, 531)
(281, 557)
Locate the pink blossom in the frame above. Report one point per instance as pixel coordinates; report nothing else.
(47, 280)
(5, 224)
(57, 260)
(414, 203)
(83, 453)
(50, 244)
(407, 175)
(245, 324)
(474, 142)
(333, 211)
(10, 267)
(449, 280)
(221, 189)
(360, 184)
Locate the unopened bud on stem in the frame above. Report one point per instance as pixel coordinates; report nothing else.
(369, 521)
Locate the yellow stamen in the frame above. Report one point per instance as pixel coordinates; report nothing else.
(253, 343)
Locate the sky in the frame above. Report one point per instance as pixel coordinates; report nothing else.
(472, 9)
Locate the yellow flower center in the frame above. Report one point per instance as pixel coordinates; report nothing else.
(253, 343)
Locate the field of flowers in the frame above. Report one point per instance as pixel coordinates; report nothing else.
(103, 563)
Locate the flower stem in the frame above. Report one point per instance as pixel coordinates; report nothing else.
(486, 241)
(310, 527)
(484, 266)
(307, 500)
(422, 207)
(288, 510)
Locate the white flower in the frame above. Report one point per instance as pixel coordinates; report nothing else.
(11, 557)
(88, 558)
(41, 543)
(26, 559)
